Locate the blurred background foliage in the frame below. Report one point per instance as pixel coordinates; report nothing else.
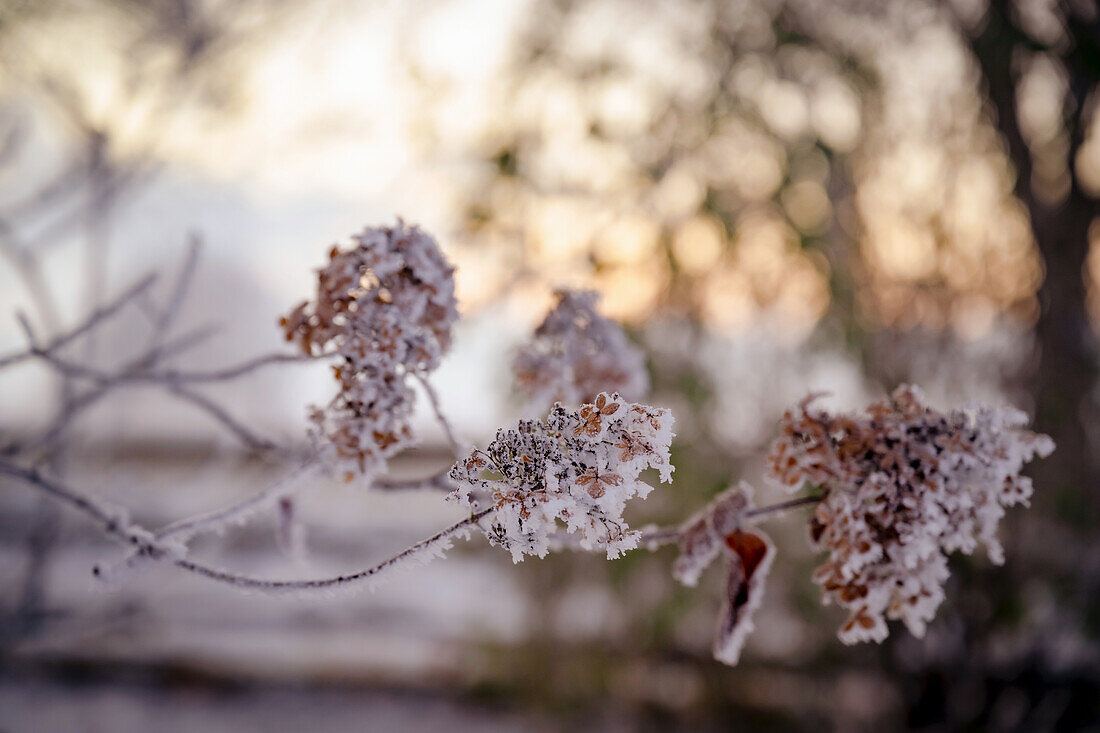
(775, 198)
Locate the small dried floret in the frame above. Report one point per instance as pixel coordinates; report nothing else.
(722, 528)
(905, 487)
(576, 354)
(386, 308)
(569, 467)
(364, 425)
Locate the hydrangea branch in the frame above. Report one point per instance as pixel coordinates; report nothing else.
(440, 481)
(115, 523)
(654, 537)
(441, 418)
(235, 513)
(896, 488)
(422, 552)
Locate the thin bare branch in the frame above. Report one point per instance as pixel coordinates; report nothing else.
(115, 524)
(219, 413)
(104, 312)
(96, 317)
(27, 328)
(73, 406)
(29, 270)
(654, 537)
(437, 409)
(185, 529)
(435, 482)
(784, 506)
(174, 376)
(108, 517)
(181, 531)
(421, 552)
(230, 372)
(183, 284)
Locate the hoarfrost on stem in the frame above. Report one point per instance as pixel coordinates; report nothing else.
(577, 466)
(906, 486)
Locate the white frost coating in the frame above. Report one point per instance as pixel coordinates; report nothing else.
(577, 353)
(906, 486)
(579, 467)
(702, 536)
(386, 306)
(240, 512)
(421, 553)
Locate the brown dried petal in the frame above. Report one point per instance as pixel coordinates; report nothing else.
(752, 556)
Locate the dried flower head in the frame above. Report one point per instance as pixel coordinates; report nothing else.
(905, 487)
(722, 528)
(386, 302)
(576, 354)
(579, 467)
(386, 308)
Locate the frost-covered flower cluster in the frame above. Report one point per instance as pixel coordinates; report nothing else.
(386, 307)
(366, 423)
(576, 354)
(577, 466)
(905, 487)
(721, 529)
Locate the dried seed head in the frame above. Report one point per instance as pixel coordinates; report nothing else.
(906, 486)
(386, 307)
(577, 353)
(570, 468)
(386, 302)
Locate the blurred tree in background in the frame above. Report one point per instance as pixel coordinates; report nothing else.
(915, 177)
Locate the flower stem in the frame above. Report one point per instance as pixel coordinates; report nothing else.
(115, 523)
(421, 552)
(655, 537)
(784, 505)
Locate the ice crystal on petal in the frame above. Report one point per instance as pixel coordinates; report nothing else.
(576, 467)
(905, 486)
(386, 307)
(576, 354)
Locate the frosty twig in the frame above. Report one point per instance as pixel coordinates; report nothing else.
(115, 523)
(92, 321)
